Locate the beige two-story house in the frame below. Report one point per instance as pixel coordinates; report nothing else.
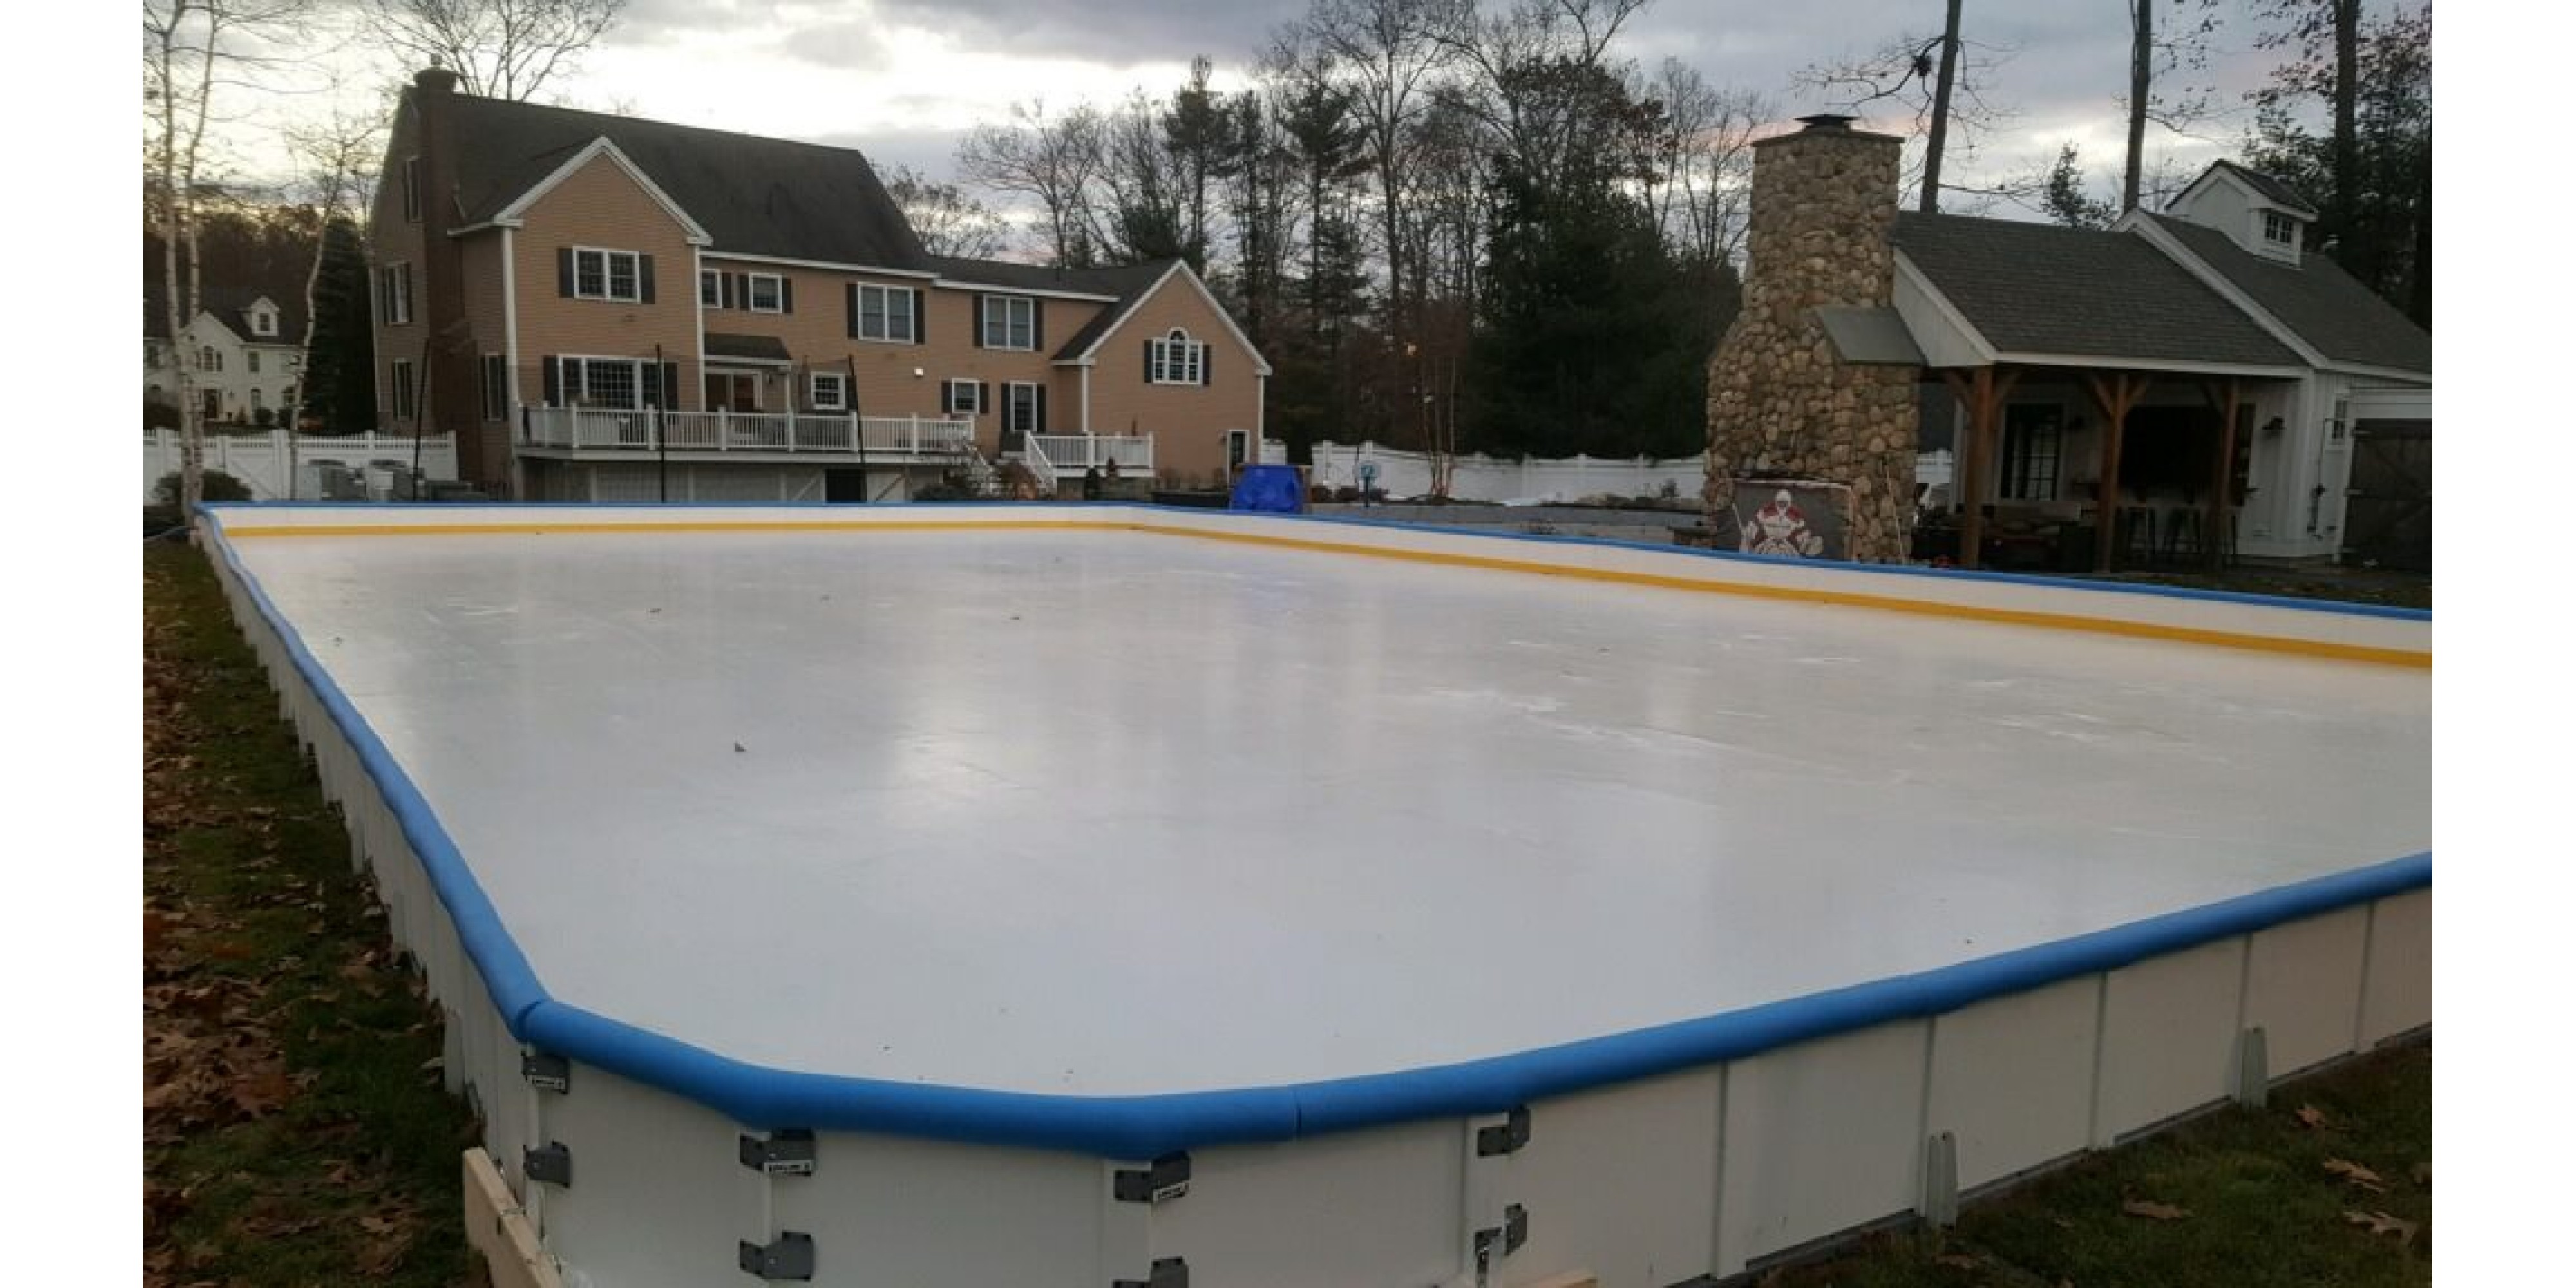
(610, 309)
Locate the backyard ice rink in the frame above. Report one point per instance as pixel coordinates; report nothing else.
(1110, 813)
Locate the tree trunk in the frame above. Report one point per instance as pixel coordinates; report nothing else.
(1931, 199)
(2347, 141)
(2142, 55)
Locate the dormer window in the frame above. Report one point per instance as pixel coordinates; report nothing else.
(2278, 230)
(263, 322)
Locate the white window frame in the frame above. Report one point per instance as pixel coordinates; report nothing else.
(209, 358)
(777, 293)
(972, 404)
(608, 259)
(1176, 359)
(393, 283)
(1011, 403)
(405, 396)
(885, 297)
(581, 397)
(2289, 229)
(263, 322)
(710, 288)
(1019, 312)
(252, 357)
(838, 382)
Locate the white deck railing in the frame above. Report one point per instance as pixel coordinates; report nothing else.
(1077, 453)
(595, 429)
(1041, 466)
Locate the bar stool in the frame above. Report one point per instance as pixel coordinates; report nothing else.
(2137, 534)
(2182, 535)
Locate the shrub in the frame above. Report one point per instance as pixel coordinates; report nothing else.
(215, 484)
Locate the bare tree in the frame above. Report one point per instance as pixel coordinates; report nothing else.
(947, 219)
(1703, 198)
(2154, 62)
(1389, 52)
(193, 52)
(1053, 161)
(497, 48)
(1906, 72)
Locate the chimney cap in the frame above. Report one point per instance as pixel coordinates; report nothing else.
(1827, 123)
(435, 78)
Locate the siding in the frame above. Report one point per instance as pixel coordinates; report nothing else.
(392, 239)
(817, 337)
(602, 207)
(1188, 422)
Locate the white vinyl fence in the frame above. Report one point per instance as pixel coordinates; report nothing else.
(1495, 478)
(278, 466)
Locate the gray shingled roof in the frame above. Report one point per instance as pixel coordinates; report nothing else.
(230, 305)
(1132, 283)
(2271, 188)
(756, 348)
(753, 195)
(2320, 303)
(2040, 288)
(1007, 276)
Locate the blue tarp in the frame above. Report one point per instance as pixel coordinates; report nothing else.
(1270, 489)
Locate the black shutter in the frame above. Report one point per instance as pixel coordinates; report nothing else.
(742, 290)
(920, 316)
(786, 293)
(1149, 362)
(852, 288)
(983, 396)
(563, 271)
(1042, 420)
(670, 385)
(978, 321)
(1207, 364)
(644, 276)
(554, 380)
(724, 290)
(1037, 325)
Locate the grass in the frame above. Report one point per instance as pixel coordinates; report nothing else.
(295, 1132)
(2260, 1207)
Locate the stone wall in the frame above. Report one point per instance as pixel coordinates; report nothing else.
(1780, 403)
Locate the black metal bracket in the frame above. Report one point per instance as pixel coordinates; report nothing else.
(1504, 1239)
(791, 1257)
(546, 1072)
(1167, 1178)
(1505, 1137)
(550, 1163)
(1168, 1272)
(789, 1152)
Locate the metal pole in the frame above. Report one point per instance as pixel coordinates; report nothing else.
(858, 424)
(661, 431)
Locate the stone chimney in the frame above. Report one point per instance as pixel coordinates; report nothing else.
(1782, 405)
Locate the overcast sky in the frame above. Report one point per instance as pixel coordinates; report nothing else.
(903, 79)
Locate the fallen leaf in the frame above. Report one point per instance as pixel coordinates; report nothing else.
(2423, 1173)
(2153, 1210)
(2383, 1223)
(2357, 1174)
(2311, 1116)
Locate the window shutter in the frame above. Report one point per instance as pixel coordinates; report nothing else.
(742, 290)
(670, 385)
(786, 293)
(644, 276)
(1207, 364)
(920, 316)
(724, 290)
(1042, 420)
(1149, 360)
(563, 271)
(979, 320)
(852, 292)
(1037, 325)
(554, 381)
(983, 396)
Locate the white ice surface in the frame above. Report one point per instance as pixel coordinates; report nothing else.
(1105, 813)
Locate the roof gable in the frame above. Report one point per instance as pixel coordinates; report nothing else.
(599, 148)
(747, 194)
(1085, 344)
(2328, 309)
(2079, 292)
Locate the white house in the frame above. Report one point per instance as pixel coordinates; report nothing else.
(244, 351)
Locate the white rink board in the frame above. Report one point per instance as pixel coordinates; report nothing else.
(1714, 1168)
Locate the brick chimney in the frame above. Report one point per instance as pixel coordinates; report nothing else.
(1781, 403)
(454, 403)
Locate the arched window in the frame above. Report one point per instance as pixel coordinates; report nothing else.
(1175, 359)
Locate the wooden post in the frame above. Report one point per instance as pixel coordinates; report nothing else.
(1977, 391)
(2115, 398)
(2222, 487)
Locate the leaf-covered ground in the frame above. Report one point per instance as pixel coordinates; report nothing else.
(294, 1130)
